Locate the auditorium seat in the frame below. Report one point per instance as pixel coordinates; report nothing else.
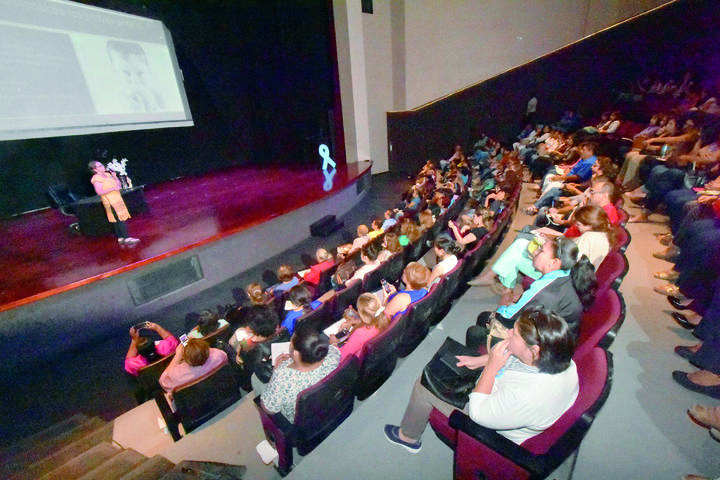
(378, 358)
(320, 409)
(200, 400)
(483, 453)
(600, 324)
(147, 381)
(417, 324)
(612, 270)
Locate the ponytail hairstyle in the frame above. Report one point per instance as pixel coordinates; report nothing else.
(596, 218)
(447, 244)
(370, 309)
(371, 250)
(311, 344)
(582, 272)
(584, 281)
(300, 296)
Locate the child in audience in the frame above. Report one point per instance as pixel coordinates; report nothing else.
(361, 325)
(288, 279)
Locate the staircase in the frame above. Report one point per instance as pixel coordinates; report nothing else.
(78, 448)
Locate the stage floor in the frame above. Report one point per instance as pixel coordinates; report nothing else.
(42, 257)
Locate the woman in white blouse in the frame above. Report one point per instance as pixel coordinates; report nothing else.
(528, 381)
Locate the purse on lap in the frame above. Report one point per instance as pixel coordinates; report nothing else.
(444, 379)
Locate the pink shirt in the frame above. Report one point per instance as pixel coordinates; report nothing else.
(357, 339)
(182, 373)
(164, 347)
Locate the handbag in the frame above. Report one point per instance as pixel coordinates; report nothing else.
(444, 379)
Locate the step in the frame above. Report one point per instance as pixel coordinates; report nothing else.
(116, 467)
(47, 443)
(101, 433)
(85, 463)
(150, 469)
(41, 439)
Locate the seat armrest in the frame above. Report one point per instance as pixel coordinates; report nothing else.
(168, 415)
(496, 442)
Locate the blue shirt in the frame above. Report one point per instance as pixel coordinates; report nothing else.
(293, 315)
(583, 168)
(388, 223)
(508, 311)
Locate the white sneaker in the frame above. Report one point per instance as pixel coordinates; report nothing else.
(131, 240)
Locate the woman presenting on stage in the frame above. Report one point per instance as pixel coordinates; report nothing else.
(108, 187)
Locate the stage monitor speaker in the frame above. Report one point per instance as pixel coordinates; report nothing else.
(325, 227)
(166, 279)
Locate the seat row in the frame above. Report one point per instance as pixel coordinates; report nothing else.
(483, 453)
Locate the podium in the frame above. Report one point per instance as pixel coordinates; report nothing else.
(91, 215)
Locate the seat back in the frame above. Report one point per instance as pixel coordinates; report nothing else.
(220, 335)
(564, 436)
(149, 376)
(418, 321)
(346, 297)
(396, 264)
(448, 288)
(600, 323)
(325, 405)
(480, 451)
(320, 317)
(622, 239)
(207, 396)
(418, 248)
(371, 280)
(378, 358)
(612, 270)
(324, 283)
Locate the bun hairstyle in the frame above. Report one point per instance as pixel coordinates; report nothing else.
(582, 272)
(371, 311)
(447, 244)
(372, 250)
(256, 294)
(146, 348)
(300, 296)
(311, 344)
(546, 329)
(262, 319)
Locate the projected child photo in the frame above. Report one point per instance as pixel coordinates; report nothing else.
(130, 62)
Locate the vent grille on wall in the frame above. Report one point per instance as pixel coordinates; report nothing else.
(164, 280)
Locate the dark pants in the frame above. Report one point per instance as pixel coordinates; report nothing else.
(120, 227)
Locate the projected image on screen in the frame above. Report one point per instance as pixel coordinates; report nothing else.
(69, 69)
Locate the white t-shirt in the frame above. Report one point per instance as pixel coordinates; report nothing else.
(524, 402)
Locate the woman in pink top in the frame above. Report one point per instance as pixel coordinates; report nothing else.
(362, 325)
(143, 351)
(191, 362)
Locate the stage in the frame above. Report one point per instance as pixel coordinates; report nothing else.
(42, 257)
(198, 232)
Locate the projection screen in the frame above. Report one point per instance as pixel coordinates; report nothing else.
(71, 69)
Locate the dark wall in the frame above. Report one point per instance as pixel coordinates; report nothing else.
(585, 76)
(261, 82)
